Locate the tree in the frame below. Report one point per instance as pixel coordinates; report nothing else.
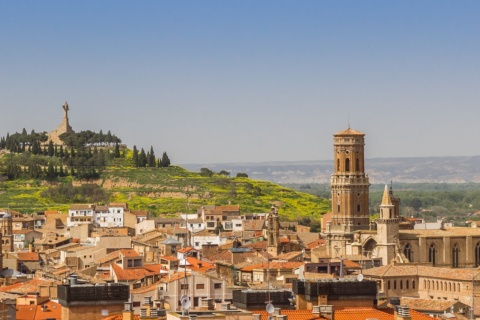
(117, 150)
(165, 162)
(142, 159)
(206, 172)
(151, 158)
(135, 156)
(242, 175)
(51, 171)
(224, 173)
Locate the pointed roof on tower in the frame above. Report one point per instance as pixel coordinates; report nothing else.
(386, 200)
(349, 132)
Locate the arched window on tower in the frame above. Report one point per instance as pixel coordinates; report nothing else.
(407, 251)
(455, 251)
(338, 164)
(431, 254)
(477, 254)
(347, 165)
(357, 164)
(358, 207)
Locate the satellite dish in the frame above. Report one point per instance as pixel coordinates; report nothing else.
(270, 308)
(360, 277)
(185, 302)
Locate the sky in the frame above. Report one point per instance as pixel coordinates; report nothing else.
(247, 81)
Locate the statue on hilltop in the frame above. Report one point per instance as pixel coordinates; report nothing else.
(66, 108)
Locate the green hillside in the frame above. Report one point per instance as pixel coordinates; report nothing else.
(165, 191)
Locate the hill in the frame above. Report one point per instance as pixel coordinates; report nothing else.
(165, 191)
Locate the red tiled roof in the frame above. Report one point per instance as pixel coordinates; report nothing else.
(154, 268)
(199, 265)
(291, 314)
(366, 313)
(317, 243)
(28, 256)
(186, 249)
(26, 287)
(129, 253)
(120, 317)
(35, 312)
(169, 258)
(131, 274)
(275, 265)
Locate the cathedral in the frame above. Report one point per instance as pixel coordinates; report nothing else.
(351, 234)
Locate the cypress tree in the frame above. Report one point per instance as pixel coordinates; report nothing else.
(142, 159)
(117, 150)
(51, 150)
(151, 158)
(165, 160)
(135, 156)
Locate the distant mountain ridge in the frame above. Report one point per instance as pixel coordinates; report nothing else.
(458, 169)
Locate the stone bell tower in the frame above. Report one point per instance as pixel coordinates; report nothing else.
(388, 227)
(273, 232)
(350, 191)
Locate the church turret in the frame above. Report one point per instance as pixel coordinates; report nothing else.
(387, 227)
(273, 232)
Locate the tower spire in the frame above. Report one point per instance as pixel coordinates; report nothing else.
(386, 200)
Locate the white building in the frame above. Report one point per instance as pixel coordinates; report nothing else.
(80, 214)
(110, 216)
(102, 216)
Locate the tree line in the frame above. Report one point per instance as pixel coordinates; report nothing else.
(148, 159)
(83, 155)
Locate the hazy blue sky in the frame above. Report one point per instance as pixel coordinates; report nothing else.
(234, 81)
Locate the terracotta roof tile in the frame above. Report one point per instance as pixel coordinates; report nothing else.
(129, 253)
(28, 256)
(131, 274)
(291, 314)
(275, 265)
(26, 287)
(53, 310)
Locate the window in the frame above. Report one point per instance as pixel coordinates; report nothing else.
(413, 284)
(347, 165)
(338, 164)
(431, 254)
(357, 165)
(218, 286)
(455, 251)
(200, 286)
(477, 255)
(394, 284)
(407, 251)
(184, 286)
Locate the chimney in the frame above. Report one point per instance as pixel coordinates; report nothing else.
(276, 311)
(325, 311)
(257, 317)
(44, 307)
(128, 311)
(73, 279)
(147, 300)
(402, 313)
